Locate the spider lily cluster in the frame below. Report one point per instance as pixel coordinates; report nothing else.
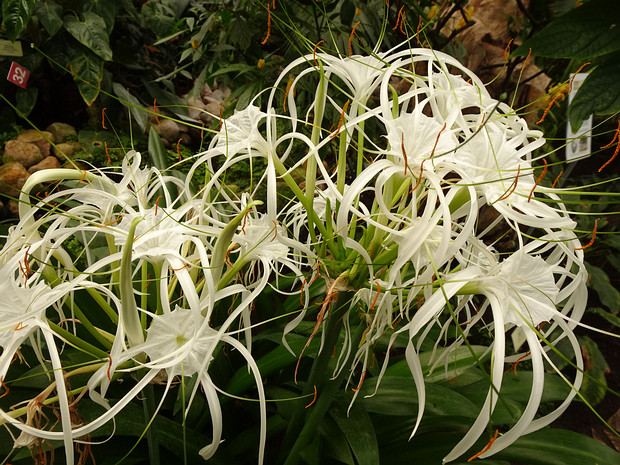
(419, 210)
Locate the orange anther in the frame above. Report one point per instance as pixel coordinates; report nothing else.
(313, 399)
(157, 204)
(514, 365)
(155, 112)
(103, 118)
(507, 50)
(268, 25)
(275, 225)
(318, 265)
(372, 305)
(526, 59)
(245, 217)
(344, 109)
(514, 185)
(351, 37)
(615, 154)
(398, 18)
(402, 145)
(6, 388)
(570, 85)
(360, 384)
(540, 178)
(417, 31)
(437, 140)
(105, 144)
(419, 177)
(486, 448)
(556, 180)
(289, 84)
(591, 240)
(314, 52)
(178, 269)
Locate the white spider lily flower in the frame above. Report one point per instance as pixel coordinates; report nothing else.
(522, 292)
(240, 133)
(161, 233)
(419, 138)
(26, 298)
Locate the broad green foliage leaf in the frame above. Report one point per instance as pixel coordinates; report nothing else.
(591, 30)
(607, 315)
(594, 386)
(50, 15)
(94, 140)
(359, 431)
(552, 446)
(133, 104)
(106, 9)
(607, 293)
(160, 16)
(88, 69)
(26, 99)
(600, 92)
(15, 16)
(90, 32)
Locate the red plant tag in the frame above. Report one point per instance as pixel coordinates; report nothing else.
(18, 75)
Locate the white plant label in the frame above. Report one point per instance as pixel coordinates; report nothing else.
(579, 143)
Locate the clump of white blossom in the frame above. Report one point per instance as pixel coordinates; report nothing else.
(430, 215)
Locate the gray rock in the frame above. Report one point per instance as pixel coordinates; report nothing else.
(62, 132)
(67, 150)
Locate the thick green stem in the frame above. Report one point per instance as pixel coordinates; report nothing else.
(305, 421)
(152, 434)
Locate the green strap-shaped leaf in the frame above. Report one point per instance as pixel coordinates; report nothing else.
(90, 32)
(358, 429)
(591, 30)
(88, 69)
(15, 16)
(134, 105)
(157, 151)
(553, 446)
(397, 396)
